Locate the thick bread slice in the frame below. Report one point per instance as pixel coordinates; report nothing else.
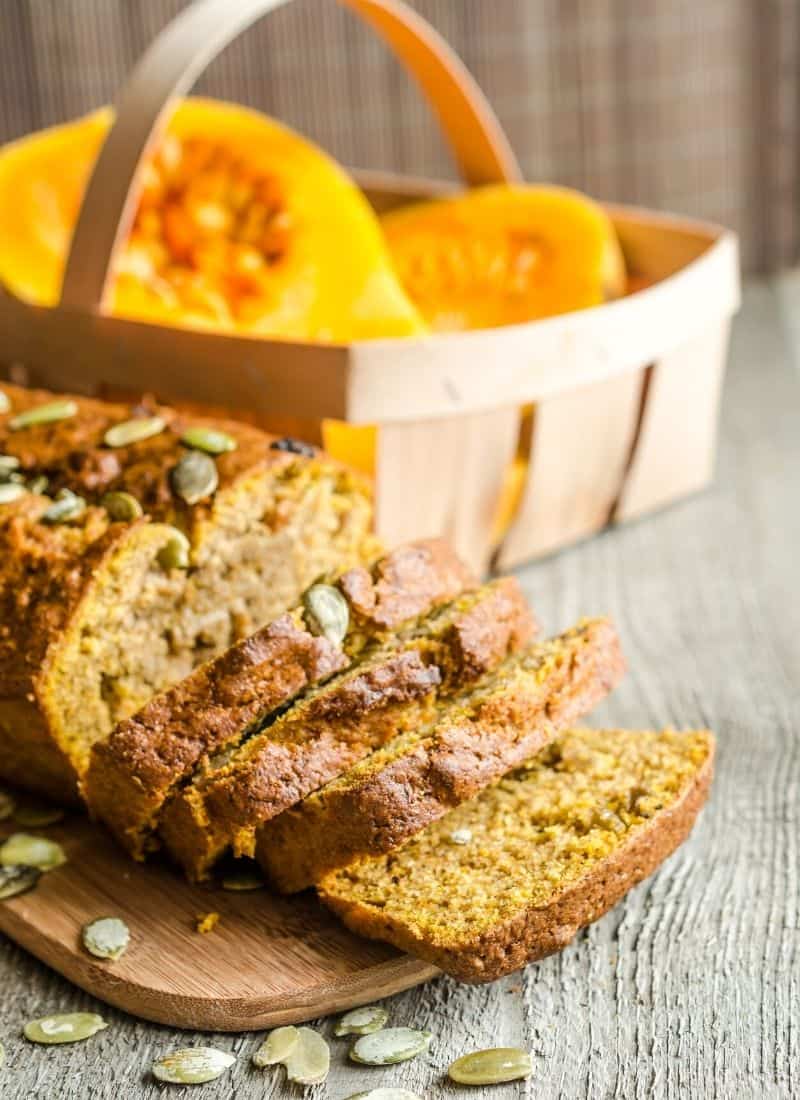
(146, 756)
(92, 624)
(391, 691)
(416, 778)
(511, 876)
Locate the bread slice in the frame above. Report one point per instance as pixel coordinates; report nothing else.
(93, 618)
(512, 875)
(134, 770)
(416, 778)
(391, 690)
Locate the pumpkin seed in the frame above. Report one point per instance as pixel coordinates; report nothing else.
(121, 507)
(385, 1093)
(66, 1027)
(211, 441)
(174, 554)
(195, 477)
(242, 879)
(38, 485)
(461, 836)
(106, 937)
(309, 1059)
(31, 851)
(362, 1021)
(36, 815)
(293, 447)
(134, 431)
(277, 1046)
(394, 1044)
(8, 463)
(491, 1067)
(17, 879)
(192, 1065)
(9, 491)
(5, 404)
(66, 506)
(326, 612)
(43, 414)
(7, 805)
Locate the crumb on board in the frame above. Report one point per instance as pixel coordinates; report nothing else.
(206, 922)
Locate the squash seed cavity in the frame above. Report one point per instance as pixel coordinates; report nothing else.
(395, 1044)
(174, 554)
(106, 937)
(309, 1059)
(491, 1067)
(362, 1021)
(211, 441)
(121, 507)
(277, 1047)
(44, 414)
(17, 879)
(68, 1027)
(31, 851)
(195, 477)
(192, 1065)
(326, 612)
(134, 431)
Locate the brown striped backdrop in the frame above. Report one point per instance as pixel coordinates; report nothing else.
(689, 105)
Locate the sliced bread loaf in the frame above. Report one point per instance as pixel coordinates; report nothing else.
(512, 875)
(390, 691)
(106, 599)
(134, 770)
(393, 793)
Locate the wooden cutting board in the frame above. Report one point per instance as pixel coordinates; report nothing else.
(269, 961)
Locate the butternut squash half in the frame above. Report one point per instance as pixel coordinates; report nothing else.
(242, 226)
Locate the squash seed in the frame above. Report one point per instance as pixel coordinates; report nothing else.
(10, 491)
(17, 879)
(134, 431)
(7, 805)
(43, 414)
(211, 441)
(242, 879)
(461, 836)
(66, 506)
(106, 937)
(37, 815)
(385, 1093)
(8, 463)
(394, 1044)
(5, 404)
(309, 1059)
(326, 612)
(66, 1027)
(192, 1065)
(277, 1046)
(491, 1067)
(362, 1021)
(121, 507)
(38, 485)
(174, 554)
(195, 477)
(31, 851)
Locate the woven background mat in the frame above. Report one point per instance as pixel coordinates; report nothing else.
(686, 106)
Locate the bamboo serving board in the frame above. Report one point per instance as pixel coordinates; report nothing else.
(269, 961)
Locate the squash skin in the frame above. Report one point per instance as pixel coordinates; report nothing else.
(331, 282)
(503, 255)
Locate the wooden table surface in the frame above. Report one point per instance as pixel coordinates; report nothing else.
(691, 987)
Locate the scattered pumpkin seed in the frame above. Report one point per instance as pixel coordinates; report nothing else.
(174, 554)
(134, 431)
(277, 1046)
(5, 404)
(491, 1067)
(195, 477)
(38, 485)
(121, 507)
(461, 836)
(362, 1021)
(8, 463)
(66, 506)
(242, 879)
(17, 879)
(31, 851)
(7, 805)
(37, 815)
(9, 491)
(43, 414)
(66, 1027)
(385, 1093)
(326, 612)
(192, 1065)
(394, 1044)
(106, 937)
(211, 441)
(309, 1060)
(293, 447)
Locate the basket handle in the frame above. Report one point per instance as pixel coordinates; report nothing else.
(172, 64)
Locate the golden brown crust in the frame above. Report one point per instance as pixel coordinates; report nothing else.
(536, 932)
(382, 803)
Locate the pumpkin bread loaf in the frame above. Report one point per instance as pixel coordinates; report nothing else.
(512, 875)
(392, 690)
(417, 777)
(162, 540)
(134, 770)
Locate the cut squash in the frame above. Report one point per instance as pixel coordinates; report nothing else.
(241, 226)
(503, 255)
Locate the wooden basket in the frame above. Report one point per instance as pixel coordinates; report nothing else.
(625, 394)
